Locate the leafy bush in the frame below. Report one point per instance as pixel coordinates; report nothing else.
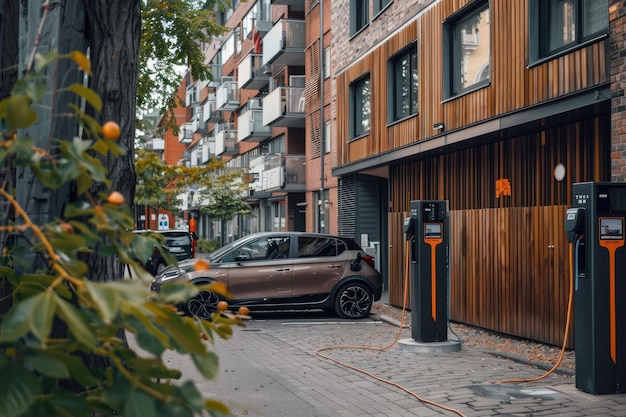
(208, 245)
(59, 324)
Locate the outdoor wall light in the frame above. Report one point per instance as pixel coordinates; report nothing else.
(438, 126)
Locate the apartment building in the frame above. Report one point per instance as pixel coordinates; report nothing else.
(342, 112)
(496, 106)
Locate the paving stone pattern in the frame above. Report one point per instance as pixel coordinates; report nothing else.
(456, 380)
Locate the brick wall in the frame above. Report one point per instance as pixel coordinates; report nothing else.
(617, 55)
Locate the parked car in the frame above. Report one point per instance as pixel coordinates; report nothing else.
(179, 243)
(284, 270)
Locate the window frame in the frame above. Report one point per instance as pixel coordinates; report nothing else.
(538, 33)
(356, 112)
(393, 84)
(359, 16)
(452, 50)
(380, 6)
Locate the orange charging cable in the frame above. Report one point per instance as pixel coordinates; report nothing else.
(319, 353)
(567, 322)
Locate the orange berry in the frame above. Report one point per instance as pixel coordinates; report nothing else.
(244, 311)
(222, 306)
(111, 130)
(201, 265)
(116, 198)
(67, 228)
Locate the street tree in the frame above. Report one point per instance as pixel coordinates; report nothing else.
(219, 189)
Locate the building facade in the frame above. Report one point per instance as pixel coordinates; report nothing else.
(497, 107)
(342, 112)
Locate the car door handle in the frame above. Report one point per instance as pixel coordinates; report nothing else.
(334, 266)
(283, 269)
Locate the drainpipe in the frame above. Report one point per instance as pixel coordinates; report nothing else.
(321, 206)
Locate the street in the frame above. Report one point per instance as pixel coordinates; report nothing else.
(270, 368)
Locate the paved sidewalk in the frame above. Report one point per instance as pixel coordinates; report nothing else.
(283, 355)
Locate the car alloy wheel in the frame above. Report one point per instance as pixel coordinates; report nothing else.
(354, 301)
(203, 305)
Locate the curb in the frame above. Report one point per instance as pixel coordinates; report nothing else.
(541, 365)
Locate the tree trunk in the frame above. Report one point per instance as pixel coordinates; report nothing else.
(114, 28)
(9, 33)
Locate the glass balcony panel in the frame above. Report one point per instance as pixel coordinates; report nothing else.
(186, 133)
(251, 127)
(284, 44)
(284, 107)
(227, 96)
(253, 75)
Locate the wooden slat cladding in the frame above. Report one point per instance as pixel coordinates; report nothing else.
(468, 177)
(509, 266)
(514, 85)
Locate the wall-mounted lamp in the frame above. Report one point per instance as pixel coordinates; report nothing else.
(438, 126)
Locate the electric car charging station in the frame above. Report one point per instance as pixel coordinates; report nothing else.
(428, 234)
(595, 224)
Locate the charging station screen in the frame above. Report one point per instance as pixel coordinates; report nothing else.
(611, 228)
(432, 230)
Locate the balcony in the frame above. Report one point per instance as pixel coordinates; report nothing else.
(252, 74)
(227, 95)
(284, 44)
(295, 5)
(226, 139)
(186, 133)
(211, 114)
(284, 107)
(198, 123)
(278, 172)
(155, 144)
(208, 149)
(250, 124)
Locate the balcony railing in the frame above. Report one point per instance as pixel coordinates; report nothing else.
(226, 139)
(211, 113)
(278, 172)
(186, 133)
(252, 74)
(285, 107)
(284, 44)
(295, 5)
(227, 95)
(250, 123)
(198, 123)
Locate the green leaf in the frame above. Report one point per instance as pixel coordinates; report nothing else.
(43, 60)
(192, 397)
(88, 94)
(207, 363)
(106, 299)
(35, 314)
(19, 389)
(139, 404)
(47, 365)
(77, 323)
(19, 114)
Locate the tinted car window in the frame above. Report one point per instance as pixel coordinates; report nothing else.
(261, 249)
(319, 247)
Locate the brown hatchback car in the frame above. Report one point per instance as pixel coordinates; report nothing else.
(284, 270)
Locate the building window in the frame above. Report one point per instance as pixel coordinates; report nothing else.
(403, 84)
(557, 26)
(327, 62)
(359, 15)
(326, 136)
(467, 38)
(360, 105)
(379, 5)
